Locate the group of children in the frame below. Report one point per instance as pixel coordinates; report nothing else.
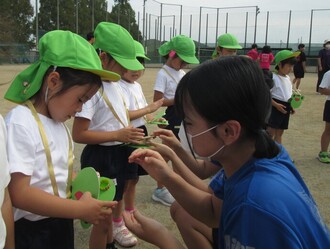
(222, 107)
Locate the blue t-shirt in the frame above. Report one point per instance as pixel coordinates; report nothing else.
(266, 204)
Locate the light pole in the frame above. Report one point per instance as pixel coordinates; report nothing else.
(58, 14)
(37, 25)
(311, 27)
(143, 23)
(255, 23)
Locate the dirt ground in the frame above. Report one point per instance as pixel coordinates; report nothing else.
(302, 140)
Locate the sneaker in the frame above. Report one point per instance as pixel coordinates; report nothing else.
(123, 236)
(163, 196)
(324, 157)
(111, 245)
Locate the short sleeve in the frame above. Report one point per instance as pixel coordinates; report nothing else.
(247, 226)
(160, 84)
(4, 170)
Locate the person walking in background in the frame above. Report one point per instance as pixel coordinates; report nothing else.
(299, 69)
(281, 93)
(324, 89)
(40, 148)
(227, 44)
(178, 53)
(265, 58)
(253, 53)
(323, 62)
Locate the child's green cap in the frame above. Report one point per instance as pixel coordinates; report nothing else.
(115, 40)
(139, 50)
(183, 46)
(285, 54)
(229, 41)
(62, 49)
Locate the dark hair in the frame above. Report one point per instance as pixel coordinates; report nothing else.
(254, 46)
(141, 60)
(70, 77)
(89, 36)
(266, 49)
(301, 46)
(291, 61)
(230, 88)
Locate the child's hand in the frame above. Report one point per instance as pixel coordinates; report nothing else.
(93, 211)
(130, 135)
(152, 162)
(155, 105)
(281, 108)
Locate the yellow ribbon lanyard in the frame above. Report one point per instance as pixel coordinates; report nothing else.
(48, 155)
(112, 109)
(166, 71)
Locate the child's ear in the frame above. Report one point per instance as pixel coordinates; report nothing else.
(53, 80)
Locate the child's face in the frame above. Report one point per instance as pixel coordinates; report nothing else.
(64, 106)
(177, 63)
(284, 69)
(131, 76)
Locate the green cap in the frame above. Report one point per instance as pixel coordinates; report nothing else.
(228, 41)
(115, 40)
(183, 46)
(139, 50)
(57, 48)
(285, 54)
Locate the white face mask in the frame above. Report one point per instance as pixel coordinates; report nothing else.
(190, 140)
(327, 46)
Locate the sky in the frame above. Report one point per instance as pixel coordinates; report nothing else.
(278, 18)
(275, 30)
(264, 5)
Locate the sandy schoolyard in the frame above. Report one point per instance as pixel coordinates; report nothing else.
(302, 140)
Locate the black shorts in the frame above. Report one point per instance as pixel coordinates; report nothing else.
(279, 120)
(49, 233)
(174, 121)
(298, 72)
(111, 162)
(326, 111)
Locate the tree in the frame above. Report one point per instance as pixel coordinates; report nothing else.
(90, 12)
(15, 21)
(123, 14)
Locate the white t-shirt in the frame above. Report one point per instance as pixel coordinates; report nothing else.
(167, 83)
(26, 152)
(282, 89)
(5, 177)
(101, 117)
(137, 99)
(325, 83)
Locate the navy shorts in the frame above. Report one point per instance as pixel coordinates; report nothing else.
(279, 120)
(49, 233)
(111, 162)
(174, 121)
(326, 111)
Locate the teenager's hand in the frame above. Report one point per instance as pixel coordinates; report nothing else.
(152, 162)
(168, 138)
(150, 230)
